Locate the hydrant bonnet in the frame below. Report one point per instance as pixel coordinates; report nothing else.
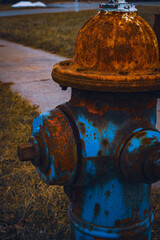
(114, 51)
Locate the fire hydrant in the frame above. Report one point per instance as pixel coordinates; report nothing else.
(102, 145)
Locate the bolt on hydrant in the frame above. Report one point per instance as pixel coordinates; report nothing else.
(102, 145)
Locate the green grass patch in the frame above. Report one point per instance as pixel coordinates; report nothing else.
(53, 32)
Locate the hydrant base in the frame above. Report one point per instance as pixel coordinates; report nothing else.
(84, 230)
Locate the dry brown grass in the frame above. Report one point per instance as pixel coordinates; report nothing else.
(156, 209)
(29, 208)
(55, 32)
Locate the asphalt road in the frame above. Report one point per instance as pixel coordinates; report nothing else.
(65, 7)
(52, 8)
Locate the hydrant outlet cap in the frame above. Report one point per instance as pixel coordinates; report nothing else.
(114, 51)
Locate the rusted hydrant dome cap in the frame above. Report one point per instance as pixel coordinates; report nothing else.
(114, 51)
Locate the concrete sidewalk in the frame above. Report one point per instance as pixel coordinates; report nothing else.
(30, 71)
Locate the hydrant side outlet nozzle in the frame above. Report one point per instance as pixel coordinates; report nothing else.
(139, 157)
(26, 152)
(56, 156)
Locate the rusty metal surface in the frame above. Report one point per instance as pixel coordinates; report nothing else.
(55, 149)
(156, 28)
(84, 146)
(139, 156)
(105, 204)
(26, 152)
(95, 232)
(114, 51)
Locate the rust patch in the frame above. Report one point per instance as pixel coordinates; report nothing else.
(96, 209)
(97, 238)
(108, 193)
(106, 212)
(104, 142)
(127, 55)
(82, 128)
(92, 108)
(66, 63)
(141, 134)
(152, 103)
(145, 211)
(55, 133)
(123, 222)
(106, 66)
(146, 141)
(99, 153)
(49, 172)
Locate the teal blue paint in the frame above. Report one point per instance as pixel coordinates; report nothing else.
(157, 162)
(92, 145)
(137, 130)
(144, 202)
(135, 144)
(52, 175)
(47, 132)
(38, 121)
(153, 120)
(153, 135)
(111, 203)
(111, 130)
(90, 167)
